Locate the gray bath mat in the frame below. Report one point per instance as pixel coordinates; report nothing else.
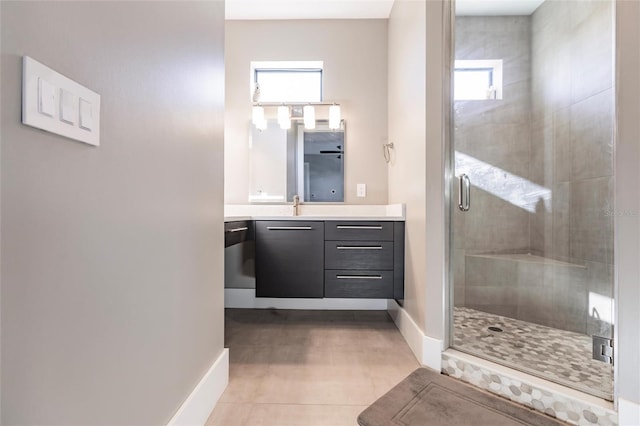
(426, 398)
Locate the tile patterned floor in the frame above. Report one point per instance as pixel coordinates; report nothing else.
(560, 356)
(308, 367)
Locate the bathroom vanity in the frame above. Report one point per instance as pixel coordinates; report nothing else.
(331, 259)
(311, 257)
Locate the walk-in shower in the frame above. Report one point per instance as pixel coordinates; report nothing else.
(531, 215)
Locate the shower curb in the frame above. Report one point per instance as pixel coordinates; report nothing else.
(498, 380)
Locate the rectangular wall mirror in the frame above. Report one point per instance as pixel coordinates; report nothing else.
(297, 161)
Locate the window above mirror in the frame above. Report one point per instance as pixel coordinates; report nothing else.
(286, 81)
(294, 88)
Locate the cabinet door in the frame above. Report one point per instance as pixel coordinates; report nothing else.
(237, 232)
(289, 259)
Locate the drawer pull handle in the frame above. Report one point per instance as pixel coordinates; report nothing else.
(359, 247)
(359, 277)
(244, 228)
(358, 227)
(289, 228)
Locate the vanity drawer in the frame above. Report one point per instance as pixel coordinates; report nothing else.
(358, 231)
(359, 284)
(376, 255)
(237, 232)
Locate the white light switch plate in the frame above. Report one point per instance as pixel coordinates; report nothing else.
(68, 109)
(52, 102)
(361, 190)
(46, 98)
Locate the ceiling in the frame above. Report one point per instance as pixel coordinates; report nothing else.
(496, 7)
(361, 9)
(308, 9)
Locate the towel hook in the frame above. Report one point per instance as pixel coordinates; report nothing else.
(386, 151)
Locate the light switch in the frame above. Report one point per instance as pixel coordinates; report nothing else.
(59, 105)
(361, 190)
(67, 107)
(46, 98)
(86, 119)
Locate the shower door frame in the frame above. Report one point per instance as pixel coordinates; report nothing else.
(449, 17)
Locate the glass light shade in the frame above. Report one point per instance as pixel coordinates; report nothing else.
(284, 117)
(285, 125)
(262, 124)
(258, 115)
(334, 117)
(309, 114)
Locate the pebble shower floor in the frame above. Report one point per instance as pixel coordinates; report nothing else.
(561, 356)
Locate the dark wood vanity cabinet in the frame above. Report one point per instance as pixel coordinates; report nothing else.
(289, 259)
(237, 232)
(332, 259)
(364, 259)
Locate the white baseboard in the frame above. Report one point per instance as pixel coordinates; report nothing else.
(432, 352)
(246, 298)
(426, 349)
(628, 413)
(198, 406)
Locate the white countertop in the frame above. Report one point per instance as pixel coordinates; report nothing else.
(236, 218)
(360, 212)
(311, 218)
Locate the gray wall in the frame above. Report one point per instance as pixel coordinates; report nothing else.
(112, 279)
(354, 52)
(407, 170)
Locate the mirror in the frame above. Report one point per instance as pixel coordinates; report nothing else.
(306, 162)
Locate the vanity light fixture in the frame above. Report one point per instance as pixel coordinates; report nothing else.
(309, 114)
(257, 115)
(262, 124)
(288, 111)
(284, 117)
(334, 116)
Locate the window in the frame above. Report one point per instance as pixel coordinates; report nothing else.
(477, 80)
(286, 81)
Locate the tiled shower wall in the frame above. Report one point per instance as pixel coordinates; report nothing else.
(554, 129)
(495, 134)
(572, 155)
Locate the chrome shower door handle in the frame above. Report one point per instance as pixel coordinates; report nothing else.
(464, 193)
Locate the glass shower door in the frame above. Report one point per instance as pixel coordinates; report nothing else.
(532, 224)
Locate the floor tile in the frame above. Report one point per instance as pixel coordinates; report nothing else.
(226, 414)
(307, 415)
(288, 364)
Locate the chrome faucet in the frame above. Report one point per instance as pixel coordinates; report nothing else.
(296, 204)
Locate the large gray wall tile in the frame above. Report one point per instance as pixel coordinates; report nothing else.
(561, 210)
(495, 225)
(600, 319)
(591, 225)
(562, 161)
(591, 49)
(534, 294)
(490, 272)
(459, 284)
(592, 136)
